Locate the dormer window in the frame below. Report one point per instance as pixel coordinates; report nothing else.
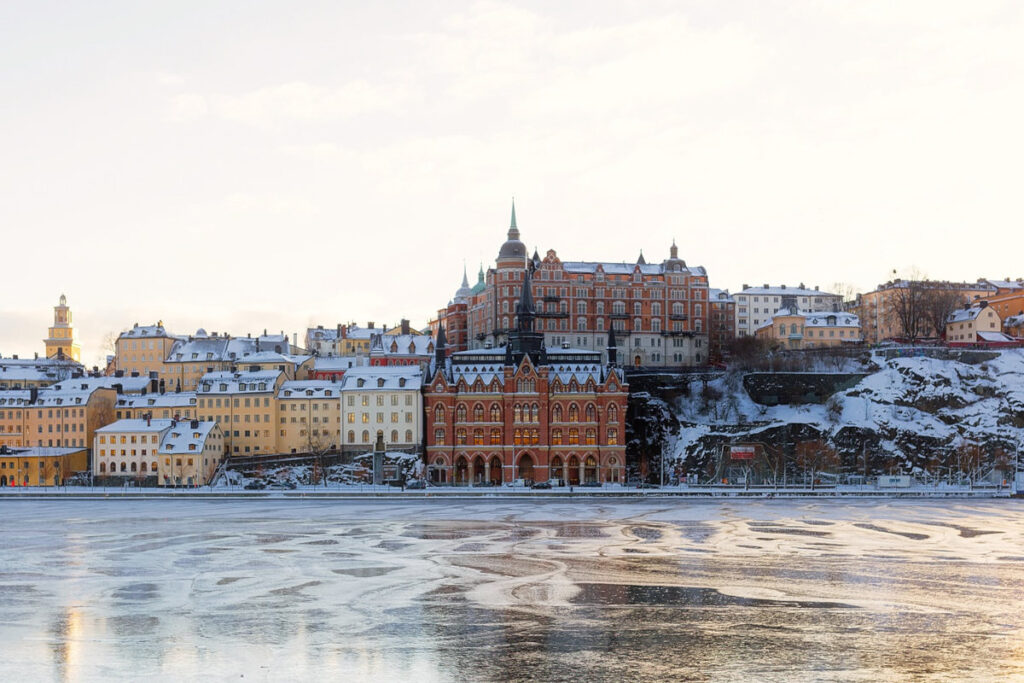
(360, 382)
(241, 386)
(288, 392)
(380, 382)
(328, 393)
(309, 392)
(223, 387)
(263, 386)
(401, 381)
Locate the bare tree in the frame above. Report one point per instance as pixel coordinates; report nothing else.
(815, 456)
(906, 307)
(845, 290)
(939, 300)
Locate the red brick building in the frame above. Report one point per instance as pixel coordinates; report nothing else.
(659, 311)
(525, 411)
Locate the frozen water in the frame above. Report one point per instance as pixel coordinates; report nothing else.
(511, 590)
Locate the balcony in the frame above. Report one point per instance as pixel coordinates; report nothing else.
(551, 298)
(619, 316)
(553, 314)
(678, 316)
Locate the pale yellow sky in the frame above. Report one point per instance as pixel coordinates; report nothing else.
(250, 165)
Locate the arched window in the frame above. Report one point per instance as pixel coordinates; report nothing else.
(655, 308)
(351, 436)
(439, 436)
(517, 437)
(122, 468)
(574, 436)
(535, 437)
(792, 328)
(591, 413)
(478, 437)
(460, 413)
(408, 436)
(535, 413)
(517, 413)
(574, 412)
(142, 467)
(478, 413)
(556, 413)
(152, 467)
(439, 414)
(495, 436)
(103, 468)
(495, 413)
(613, 437)
(591, 437)
(613, 413)
(556, 437)
(366, 436)
(394, 436)
(460, 436)
(581, 324)
(599, 324)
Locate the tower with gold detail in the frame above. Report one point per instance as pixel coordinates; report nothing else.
(61, 340)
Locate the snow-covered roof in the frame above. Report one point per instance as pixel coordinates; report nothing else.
(14, 397)
(226, 382)
(1014, 320)
(139, 331)
(137, 425)
(816, 318)
(1006, 284)
(995, 337)
(129, 385)
(403, 345)
(783, 290)
(384, 378)
(719, 296)
(310, 388)
(272, 357)
(624, 268)
(334, 363)
(485, 372)
(183, 399)
(964, 314)
(187, 433)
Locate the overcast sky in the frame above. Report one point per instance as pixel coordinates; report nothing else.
(250, 165)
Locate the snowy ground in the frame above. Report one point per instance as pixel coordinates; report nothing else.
(511, 590)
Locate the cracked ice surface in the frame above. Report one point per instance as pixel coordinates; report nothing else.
(511, 590)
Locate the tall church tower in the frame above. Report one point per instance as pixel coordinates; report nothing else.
(61, 341)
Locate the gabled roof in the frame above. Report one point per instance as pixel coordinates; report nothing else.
(188, 433)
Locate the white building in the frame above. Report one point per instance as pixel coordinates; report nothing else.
(382, 400)
(128, 448)
(755, 306)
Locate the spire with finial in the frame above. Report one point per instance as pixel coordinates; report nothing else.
(641, 260)
(480, 275)
(465, 278)
(525, 311)
(674, 250)
(439, 348)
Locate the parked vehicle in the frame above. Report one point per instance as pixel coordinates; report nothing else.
(416, 485)
(255, 486)
(282, 485)
(645, 485)
(542, 485)
(591, 484)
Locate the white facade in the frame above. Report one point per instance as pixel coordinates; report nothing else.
(384, 400)
(755, 306)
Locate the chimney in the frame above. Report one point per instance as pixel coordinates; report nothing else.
(149, 420)
(33, 394)
(15, 357)
(118, 373)
(119, 388)
(163, 386)
(766, 285)
(36, 354)
(154, 384)
(370, 324)
(295, 339)
(405, 326)
(815, 288)
(194, 424)
(135, 374)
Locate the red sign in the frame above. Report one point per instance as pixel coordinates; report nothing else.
(741, 452)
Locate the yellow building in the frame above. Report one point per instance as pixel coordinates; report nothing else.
(345, 340)
(975, 324)
(40, 466)
(309, 417)
(144, 348)
(189, 453)
(244, 405)
(61, 340)
(205, 353)
(60, 416)
(799, 330)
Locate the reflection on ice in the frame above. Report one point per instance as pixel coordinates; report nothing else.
(494, 590)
